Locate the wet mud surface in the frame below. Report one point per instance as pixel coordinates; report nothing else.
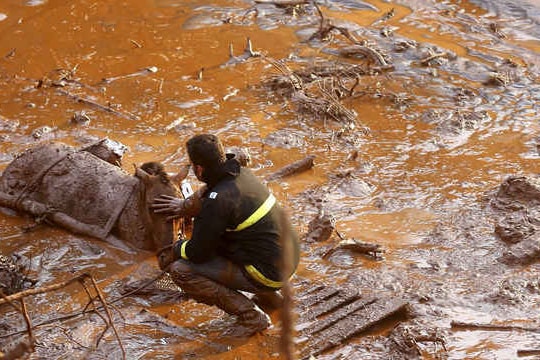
(420, 121)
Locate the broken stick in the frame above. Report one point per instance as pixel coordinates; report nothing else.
(492, 327)
(528, 352)
(294, 168)
(145, 71)
(373, 250)
(108, 109)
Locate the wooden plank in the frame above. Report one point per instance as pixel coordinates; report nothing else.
(353, 324)
(317, 297)
(341, 299)
(339, 314)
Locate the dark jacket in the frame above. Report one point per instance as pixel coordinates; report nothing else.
(227, 203)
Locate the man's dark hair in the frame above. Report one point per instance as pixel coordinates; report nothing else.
(206, 150)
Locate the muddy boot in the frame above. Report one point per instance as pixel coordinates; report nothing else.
(249, 323)
(250, 319)
(268, 300)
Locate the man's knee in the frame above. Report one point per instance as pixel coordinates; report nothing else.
(181, 272)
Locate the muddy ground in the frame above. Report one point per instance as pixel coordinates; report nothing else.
(416, 113)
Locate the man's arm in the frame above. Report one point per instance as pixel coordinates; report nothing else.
(209, 227)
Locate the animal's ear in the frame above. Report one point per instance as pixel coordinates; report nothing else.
(141, 174)
(181, 175)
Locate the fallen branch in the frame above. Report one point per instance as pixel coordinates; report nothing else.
(81, 278)
(371, 54)
(283, 2)
(145, 71)
(108, 109)
(84, 312)
(491, 327)
(528, 352)
(108, 312)
(374, 250)
(23, 347)
(426, 61)
(41, 290)
(326, 27)
(247, 54)
(294, 168)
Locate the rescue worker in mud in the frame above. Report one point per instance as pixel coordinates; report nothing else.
(237, 238)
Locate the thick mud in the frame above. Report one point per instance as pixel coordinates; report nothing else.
(416, 114)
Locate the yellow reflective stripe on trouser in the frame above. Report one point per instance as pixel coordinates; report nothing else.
(183, 251)
(258, 214)
(258, 276)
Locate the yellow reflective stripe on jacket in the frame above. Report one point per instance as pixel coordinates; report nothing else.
(183, 251)
(258, 276)
(258, 214)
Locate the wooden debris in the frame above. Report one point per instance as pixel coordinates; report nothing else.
(292, 169)
(145, 71)
(326, 27)
(80, 279)
(373, 55)
(490, 327)
(282, 3)
(427, 60)
(386, 16)
(248, 53)
(374, 250)
(10, 54)
(528, 352)
(98, 106)
(331, 316)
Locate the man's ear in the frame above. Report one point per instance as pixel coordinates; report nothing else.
(198, 169)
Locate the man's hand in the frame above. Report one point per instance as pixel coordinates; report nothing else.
(165, 258)
(169, 205)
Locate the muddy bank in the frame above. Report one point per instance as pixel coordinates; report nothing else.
(414, 116)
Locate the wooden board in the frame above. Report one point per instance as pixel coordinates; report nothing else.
(328, 316)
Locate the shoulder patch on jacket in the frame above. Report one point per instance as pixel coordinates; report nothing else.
(212, 195)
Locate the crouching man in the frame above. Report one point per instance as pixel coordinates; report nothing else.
(237, 240)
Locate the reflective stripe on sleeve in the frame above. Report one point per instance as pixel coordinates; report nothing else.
(183, 251)
(258, 214)
(258, 276)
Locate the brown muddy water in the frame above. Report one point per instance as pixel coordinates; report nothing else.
(428, 133)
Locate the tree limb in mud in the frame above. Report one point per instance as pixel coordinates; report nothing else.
(317, 90)
(81, 279)
(326, 27)
(85, 311)
(283, 2)
(427, 60)
(528, 352)
(92, 103)
(145, 71)
(493, 327)
(374, 250)
(23, 347)
(373, 55)
(292, 169)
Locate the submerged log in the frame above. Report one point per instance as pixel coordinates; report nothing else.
(292, 169)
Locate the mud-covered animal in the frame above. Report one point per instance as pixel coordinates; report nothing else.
(80, 191)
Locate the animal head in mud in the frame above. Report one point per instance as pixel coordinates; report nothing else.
(154, 181)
